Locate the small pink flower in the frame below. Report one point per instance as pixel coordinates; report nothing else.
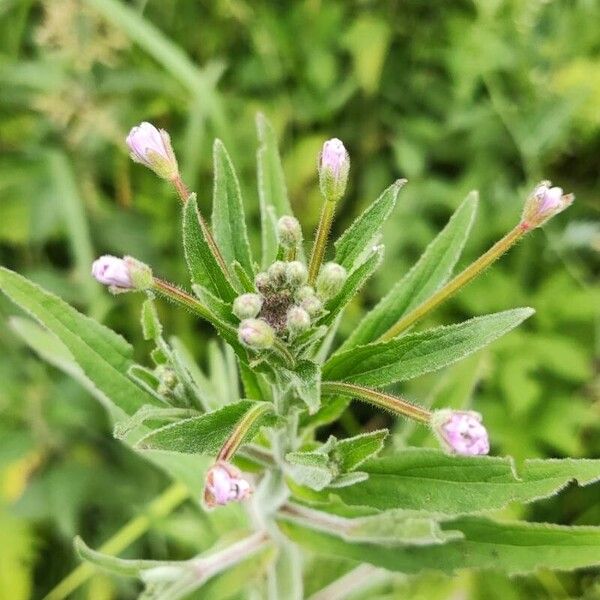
(543, 203)
(334, 165)
(461, 432)
(112, 271)
(223, 484)
(152, 148)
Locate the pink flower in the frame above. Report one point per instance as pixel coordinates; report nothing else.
(112, 271)
(223, 484)
(152, 148)
(334, 165)
(461, 431)
(544, 202)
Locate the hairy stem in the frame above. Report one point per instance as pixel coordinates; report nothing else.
(241, 429)
(177, 295)
(358, 580)
(159, 508)
(394, 404)
(320, 244)
(462, 279)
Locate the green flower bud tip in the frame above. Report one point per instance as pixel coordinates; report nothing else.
(298, 320)
(152, 148)
(277, 273)
(334, 165)
(312, 305)
(256, 334)
(247, 306)
(296, 273)
(544, 202)
(262, 283)
(289, 232)
(330, 280)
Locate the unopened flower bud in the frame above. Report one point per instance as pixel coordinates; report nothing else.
(306, 291)
(298, 320)
(334, 165)
(544, 202)
(247, 306)
(262, 283)
(122, 274)
(460, 431)
(296, 274)
(223, 484)
(152, 148)
(330, 280)
(289, 232)
(312, 305)
(277, 274)
(256, 334)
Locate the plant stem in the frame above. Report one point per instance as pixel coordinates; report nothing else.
(159, 508)
(181, 189)
(394, 404)
(462, 279)
(241, 429)
(320, 244)
(177, 295)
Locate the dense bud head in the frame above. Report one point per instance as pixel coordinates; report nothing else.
(289, 232)
(247, 306)
(312, 305)
(224, 484)
(296, 274)
(334, 165)
(122, 274)
(298, 320)
(461, 431)
(256, 334)
(330, 280)
(544, 202)
(262, 283)
(152, 148)
(277, 273)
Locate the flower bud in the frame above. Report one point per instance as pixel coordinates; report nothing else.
(277, 273)
(256, 334)
(296, 274)
(122, 274)
(330, 280)
(334, 164)
(289, 232)
(152, 148)
(306, 291)
(460, 431)
(247, 306)
(298, 320)
(543, 203)
(312, 305)
(262, 283)
(223, 484)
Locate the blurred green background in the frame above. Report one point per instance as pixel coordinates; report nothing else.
(453, 95)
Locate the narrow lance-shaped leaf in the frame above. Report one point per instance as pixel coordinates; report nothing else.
(363, 233)
(202, 265)
(383, 363)
(103, 356)
(429, 273)
(205, 434)
(430, 481)
(306, 381)
(228, 220)
(516, 548)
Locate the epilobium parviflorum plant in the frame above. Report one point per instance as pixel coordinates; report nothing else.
(243, 438)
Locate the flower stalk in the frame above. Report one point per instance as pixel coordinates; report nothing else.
(318, 252)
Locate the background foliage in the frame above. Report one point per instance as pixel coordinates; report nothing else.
(490, 95)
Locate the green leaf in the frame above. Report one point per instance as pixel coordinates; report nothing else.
(365, 230)
(353, 283)
(352, 452)
(311, 469)
(228, 220)
(382, 363)
(429, 480)
(203, 267)
(103, 356)
(513, 547)
(218, 307)
(151, 326)
(306, 381)
(431, 271)
(205, 434)
(272, 190)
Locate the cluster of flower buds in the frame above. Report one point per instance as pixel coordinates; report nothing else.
(544, 202)
(122, 274)
(224, 484)
(460, 432)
